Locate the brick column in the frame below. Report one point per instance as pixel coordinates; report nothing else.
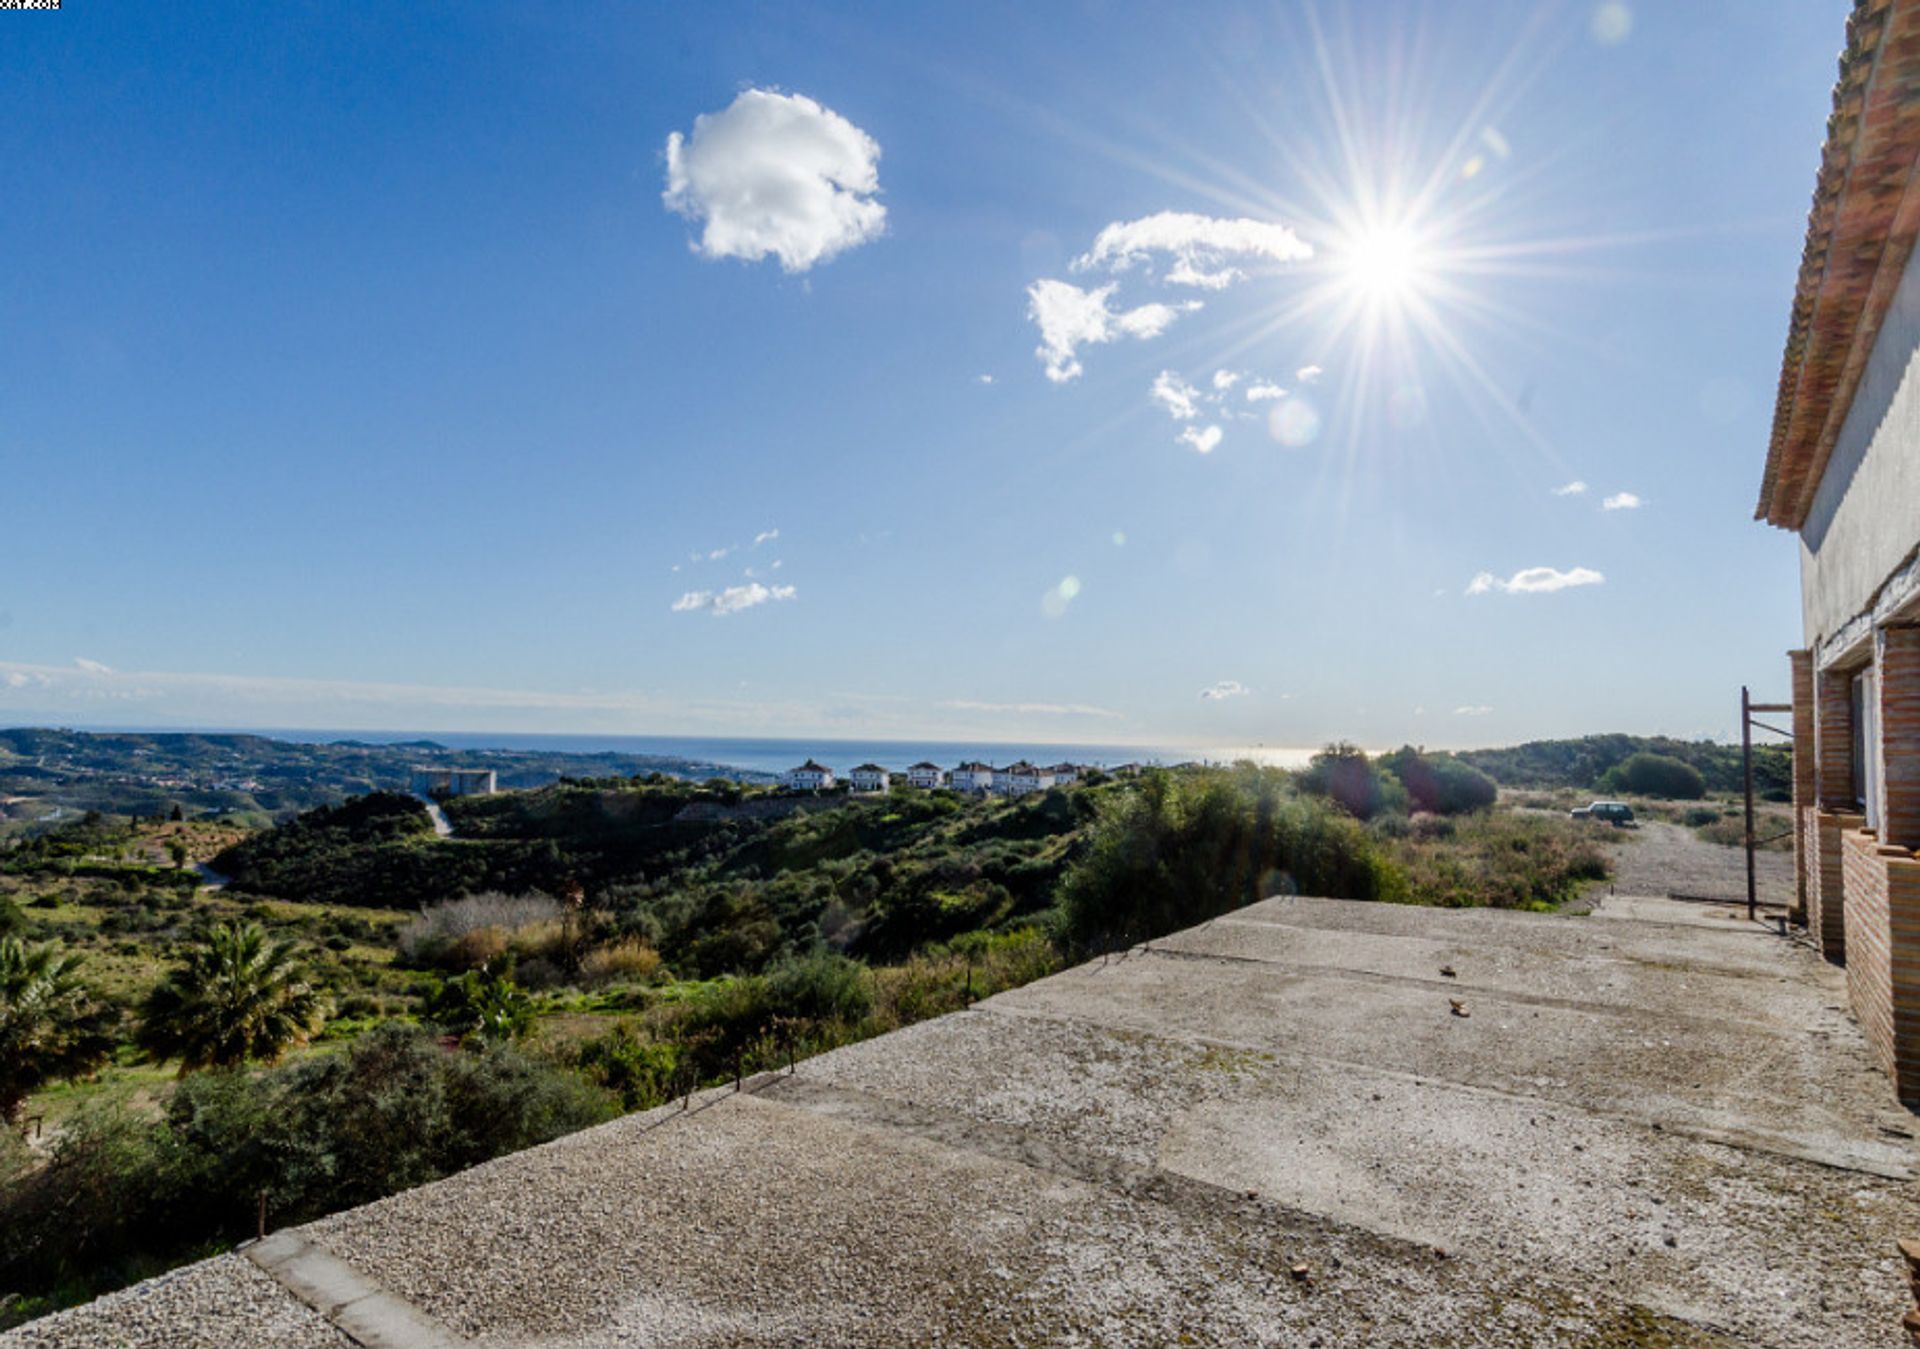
(1897, 655)
(1804, 757)
(1833, 734)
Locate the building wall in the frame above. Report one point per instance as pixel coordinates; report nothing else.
(1820, 850)
(1863, 523)
(1883, 953)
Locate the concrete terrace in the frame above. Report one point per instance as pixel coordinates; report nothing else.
(1654, 1126)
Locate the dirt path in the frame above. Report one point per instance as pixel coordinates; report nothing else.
(1665, 859)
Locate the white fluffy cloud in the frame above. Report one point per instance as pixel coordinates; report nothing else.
(1309, 374)
(1225, 379)
(1263, 390)
(1226, 688)
(1201, 439)
(1621, 501)
(1204, 250)
(1534, 581)
(765, 536)
(1572, 489)
(1178, 397)
(731, 600)
(1070, 318)
(776, 175)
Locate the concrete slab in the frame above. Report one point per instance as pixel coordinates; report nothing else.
(1649, 1130)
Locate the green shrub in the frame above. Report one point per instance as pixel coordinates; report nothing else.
(1656, 775)
(482, 1004)
(1440, 784)
(121, 1196)
(1343, 774)
(1178, 849)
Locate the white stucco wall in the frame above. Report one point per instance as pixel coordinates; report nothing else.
(1865, 518)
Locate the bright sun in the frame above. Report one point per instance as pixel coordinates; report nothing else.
(1383, 263)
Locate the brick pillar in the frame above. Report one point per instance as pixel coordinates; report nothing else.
(1897, 655)
(1804, 757)
(1833, 735)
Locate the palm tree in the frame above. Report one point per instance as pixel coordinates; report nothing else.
(50, 1026)
(240, 996)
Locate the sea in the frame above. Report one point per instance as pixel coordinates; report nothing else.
(776, 755)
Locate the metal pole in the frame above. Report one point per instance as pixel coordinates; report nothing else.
(1746, 769)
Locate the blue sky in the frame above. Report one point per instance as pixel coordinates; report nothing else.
(379, 366)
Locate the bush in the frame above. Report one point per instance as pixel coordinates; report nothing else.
(1656, 775)
(1500, 861)
(1179, 849)
(121, 1196)
(821, 987)
(482, 1004)
(1343, 774)
(628, 960)
(478, 929)
(1440, 784)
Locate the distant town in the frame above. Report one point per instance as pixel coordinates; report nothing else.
(979, 779)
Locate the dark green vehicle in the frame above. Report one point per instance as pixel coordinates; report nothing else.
(1616, 813)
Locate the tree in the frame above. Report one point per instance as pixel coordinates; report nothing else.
(51, 1029)
(240, 996)
(178, 852)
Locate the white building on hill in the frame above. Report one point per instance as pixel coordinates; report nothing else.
(927, 776)
(972, 777)
(870, 777)
(1020, 779)
(808, 777)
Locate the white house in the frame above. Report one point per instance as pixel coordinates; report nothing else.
(870, 777)
(1063, 773)
(927, 776)
(972, 777)
(1020, 779)
(808, 777)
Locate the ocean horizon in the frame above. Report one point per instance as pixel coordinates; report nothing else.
(772, 754)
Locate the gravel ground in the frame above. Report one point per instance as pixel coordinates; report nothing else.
(1665, 859)
(216, 1304)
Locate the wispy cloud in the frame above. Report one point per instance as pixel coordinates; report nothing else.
(776, 175)
(1534, 581)
(1201, 439)
(1173, 393)
(1621, 501)
(1204, 251)
(1473, 710)
(1572, 489)
(91, 666)
(1070, 318)
(1309, 374)
(984, 379)
(765, 536)
(732, 600)
(1226, 688)
(1032, 709)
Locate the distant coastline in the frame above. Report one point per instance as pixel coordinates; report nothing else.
(765, 754)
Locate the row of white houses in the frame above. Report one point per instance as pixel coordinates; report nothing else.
(981, 779)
